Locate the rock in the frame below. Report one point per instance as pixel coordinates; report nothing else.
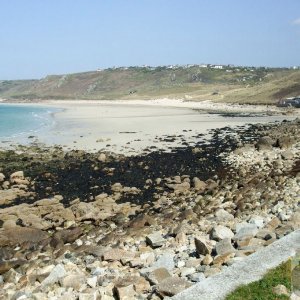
(20, 235)
(283, 217)
(147, 258)
(197, 277)
(117, 187)
(207, 260)
(266, 234)
(9, 224)
(166, 260)
(16, 176)
(158, 275)
(187, 271)
(141, 285)
(179, 187)
(295, 220)
(68, 235)
(224, 247)
(193, 262)
(74, 281)
(7, 196)
(203, 246)
(250, 244)
(172, 286)
(223, 216)
(286, 155)
(220, 260)
(264, 143)
(118, 254)
(141, 221)
(102, 157)
(278, 207)
(198, 184)
(56, 274)
(285, 142)
(2, 177)
(180, 238)
(294, 296)
(220, 232)
(92, 281)
(274, 223)
(12, 276)
(211, 185)
(155, 240)
(125, 292)
(7, 265)
(257, 221)
(245, 230)
(280, 289)
(93, 295)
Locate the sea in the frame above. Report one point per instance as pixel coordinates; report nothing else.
(18, 120)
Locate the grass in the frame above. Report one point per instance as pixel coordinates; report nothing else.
(239, 85)
(263, 289)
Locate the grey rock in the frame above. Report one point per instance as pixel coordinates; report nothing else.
(56, 274)
(245, 230)
(224, 247)
(155, 240)
(74, 281)
(286, 155)
(166, 260)
(258, 221)
(158, 275)
(187, 271)
(220, 232)
(93, 295)
(196, 277)
(223, 216)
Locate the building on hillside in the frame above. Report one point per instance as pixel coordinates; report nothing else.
(220, 67)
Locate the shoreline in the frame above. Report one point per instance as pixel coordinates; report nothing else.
(130, 127)
(205, 105)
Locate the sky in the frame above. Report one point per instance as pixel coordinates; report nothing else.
(38, 38)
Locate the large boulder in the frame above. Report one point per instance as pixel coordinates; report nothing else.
(20, 235)
(264, 143)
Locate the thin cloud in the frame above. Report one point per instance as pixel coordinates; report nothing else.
(296, 22)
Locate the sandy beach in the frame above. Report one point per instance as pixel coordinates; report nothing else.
(131, 127)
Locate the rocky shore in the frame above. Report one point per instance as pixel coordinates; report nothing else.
(77, 225)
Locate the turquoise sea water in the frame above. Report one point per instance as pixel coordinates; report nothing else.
(24, 120)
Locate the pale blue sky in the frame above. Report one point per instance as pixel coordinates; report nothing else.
(40, 37)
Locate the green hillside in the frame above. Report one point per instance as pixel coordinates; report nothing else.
(230, 84)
